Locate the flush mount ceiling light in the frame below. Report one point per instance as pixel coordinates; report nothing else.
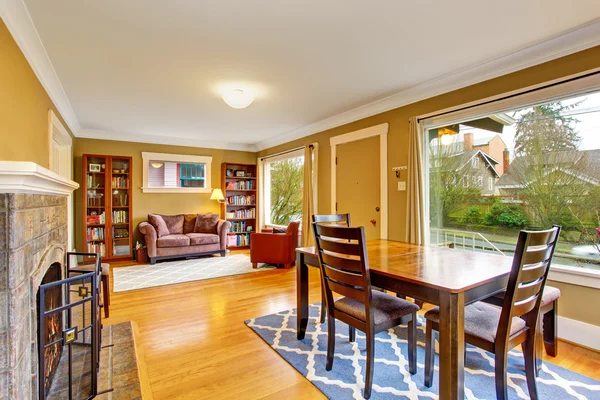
(156, 164)
(237, 98)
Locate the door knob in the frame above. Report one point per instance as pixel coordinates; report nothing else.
(373, 222)
(377, 209)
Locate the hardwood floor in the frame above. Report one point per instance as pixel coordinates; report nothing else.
(196, 345)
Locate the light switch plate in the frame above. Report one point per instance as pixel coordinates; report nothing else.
(401, 186)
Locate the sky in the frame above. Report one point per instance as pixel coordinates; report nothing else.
(588, 127)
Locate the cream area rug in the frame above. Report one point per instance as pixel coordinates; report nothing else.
(170, 272)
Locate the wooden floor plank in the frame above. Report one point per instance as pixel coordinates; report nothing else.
(196, 344)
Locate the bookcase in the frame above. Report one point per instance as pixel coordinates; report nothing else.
(107, 222)
(239, 183)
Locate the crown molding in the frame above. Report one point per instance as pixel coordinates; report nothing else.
(573, 41)
(168, 140)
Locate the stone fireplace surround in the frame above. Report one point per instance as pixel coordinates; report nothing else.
(33, 236)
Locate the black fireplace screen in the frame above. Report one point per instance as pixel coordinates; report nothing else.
(69, 335)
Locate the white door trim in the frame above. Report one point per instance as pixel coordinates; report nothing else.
(380, 130)
(60, 140)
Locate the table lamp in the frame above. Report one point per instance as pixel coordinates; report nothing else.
(217, 194)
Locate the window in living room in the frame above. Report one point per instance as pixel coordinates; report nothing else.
(542, 167)
(282, 190)
(176, 173)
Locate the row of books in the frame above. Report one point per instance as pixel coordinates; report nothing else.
(90, 181)
(96, 219)
(120, 182)
(120, 217)
(241, 185)
(239, 214)
(241, 226)
(95, 233)
(99, 248)
(241, 200)
(238, 240)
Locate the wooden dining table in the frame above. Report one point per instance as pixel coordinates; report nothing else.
(445, 277)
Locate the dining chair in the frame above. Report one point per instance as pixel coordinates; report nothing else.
(345, 270)
(498, 330)
(335, 220)
(549, 319)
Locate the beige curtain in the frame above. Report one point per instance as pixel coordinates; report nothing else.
(415, 216)
(308, 200)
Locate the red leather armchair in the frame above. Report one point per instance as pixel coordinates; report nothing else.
(274, 248)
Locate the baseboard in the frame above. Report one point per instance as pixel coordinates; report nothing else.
(578, 332)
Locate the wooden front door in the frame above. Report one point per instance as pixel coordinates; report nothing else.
(358, 184)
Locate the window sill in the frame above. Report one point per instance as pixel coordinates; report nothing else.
(175, 190)
(575, 276)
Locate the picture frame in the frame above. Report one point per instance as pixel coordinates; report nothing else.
(240, 173)
(95, 168)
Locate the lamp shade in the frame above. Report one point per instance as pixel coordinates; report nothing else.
(217, 194)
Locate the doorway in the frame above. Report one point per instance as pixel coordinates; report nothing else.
(359, 178)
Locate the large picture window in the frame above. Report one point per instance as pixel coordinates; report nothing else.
(283, 188)
(542, 167)
(176, 173)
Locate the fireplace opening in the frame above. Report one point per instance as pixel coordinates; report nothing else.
(69, 331)
(53, 298)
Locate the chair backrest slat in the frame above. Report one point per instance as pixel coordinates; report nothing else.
(334, 219)
(526, 290)
(537, 254)
(346, 248)
(346, 277)
(344, 265)
(527, 279)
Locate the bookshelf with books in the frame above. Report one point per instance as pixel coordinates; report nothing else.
(107, 224)
(239, 183)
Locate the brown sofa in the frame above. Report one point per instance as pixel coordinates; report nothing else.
(177, 236)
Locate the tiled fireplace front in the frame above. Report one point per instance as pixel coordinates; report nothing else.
(33, 236)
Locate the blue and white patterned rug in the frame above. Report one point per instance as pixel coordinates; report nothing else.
(391, 378)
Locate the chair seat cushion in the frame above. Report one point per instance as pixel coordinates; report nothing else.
(385, 307)
(550, 294)
(481, 320)
(173, 241)
(203, 238)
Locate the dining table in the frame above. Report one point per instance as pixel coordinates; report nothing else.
(448, 278)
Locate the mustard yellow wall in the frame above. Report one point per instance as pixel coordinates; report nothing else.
(24, 106)
(161, 203)
(398, 151)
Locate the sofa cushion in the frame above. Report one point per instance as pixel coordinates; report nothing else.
(174, 223)
(189, 222)
(206, 223)
(203, 238)
(173, 241)
(159, 224)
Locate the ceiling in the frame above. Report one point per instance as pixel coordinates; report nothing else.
(149, 70)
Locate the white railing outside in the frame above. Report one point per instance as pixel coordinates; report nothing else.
(462, 239)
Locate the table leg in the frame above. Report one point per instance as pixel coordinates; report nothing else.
(452, 345)
(301, 296)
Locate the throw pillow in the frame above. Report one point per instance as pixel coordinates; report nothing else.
(206, 223)
(189, 223)
(279, 230)
(174, 223)
(159, 224)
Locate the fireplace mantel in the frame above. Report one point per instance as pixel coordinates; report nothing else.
(28, 177)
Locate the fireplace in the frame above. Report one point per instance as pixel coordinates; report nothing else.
(33, 240)
(53, 324)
